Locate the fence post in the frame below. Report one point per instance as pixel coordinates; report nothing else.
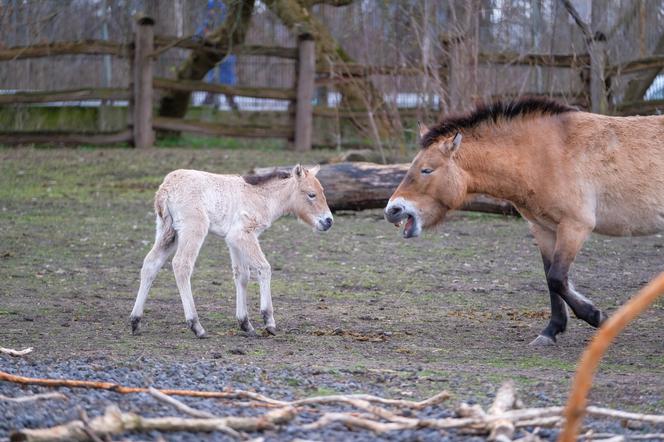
(306, 73)
(598, 94)
(143, 90)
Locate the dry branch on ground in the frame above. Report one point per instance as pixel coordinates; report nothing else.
(12, 352)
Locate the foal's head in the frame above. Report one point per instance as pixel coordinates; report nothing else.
(433, 185)
(308, 201)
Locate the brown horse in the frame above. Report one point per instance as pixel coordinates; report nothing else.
(569, 173)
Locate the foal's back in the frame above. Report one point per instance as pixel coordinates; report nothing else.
(194, 195)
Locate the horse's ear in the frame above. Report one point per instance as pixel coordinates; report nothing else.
(422, 129)
(314, 170)
(297, 171)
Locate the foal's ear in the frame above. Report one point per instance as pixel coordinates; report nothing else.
(314, 170)
(422, 128)
(297, 171)
(450, 147)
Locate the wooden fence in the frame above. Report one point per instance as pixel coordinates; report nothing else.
(141, 55)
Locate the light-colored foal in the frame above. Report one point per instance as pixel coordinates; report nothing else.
(191, 203)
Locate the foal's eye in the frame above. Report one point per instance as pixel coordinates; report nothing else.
(426, 171)
(311, 195)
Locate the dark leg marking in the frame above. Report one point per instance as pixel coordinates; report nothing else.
(246, 327)
(135, 324)
(558, 321)
(268, 328)
(582, 307)
(196, 327)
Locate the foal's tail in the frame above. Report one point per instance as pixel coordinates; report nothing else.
(165, 231)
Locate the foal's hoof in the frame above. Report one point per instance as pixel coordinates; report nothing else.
(271, 330)
(135, 325)
(542, 341)
(197, 328)
(247, 328)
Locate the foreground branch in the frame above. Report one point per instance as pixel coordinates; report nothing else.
(12, 352)
(115, 422)
(33, 398)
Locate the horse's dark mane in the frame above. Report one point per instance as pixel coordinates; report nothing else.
(257, 180)
(492, 113)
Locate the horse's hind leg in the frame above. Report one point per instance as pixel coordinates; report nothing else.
(163, 248)
(569, 239)
(190, 240)
(546, 241)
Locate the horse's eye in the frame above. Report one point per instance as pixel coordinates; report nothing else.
(426, 171)
(311, 195)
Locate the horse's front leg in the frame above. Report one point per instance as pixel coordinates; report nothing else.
(569, 239)
(546, 241)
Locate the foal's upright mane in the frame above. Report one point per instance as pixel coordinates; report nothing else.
(257, 180)
(492, 114)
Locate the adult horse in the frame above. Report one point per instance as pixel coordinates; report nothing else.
(569, 173)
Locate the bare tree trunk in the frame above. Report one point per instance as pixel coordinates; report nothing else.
(359, 94)
(231, 33)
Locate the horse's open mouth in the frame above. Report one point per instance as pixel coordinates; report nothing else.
(410, 228)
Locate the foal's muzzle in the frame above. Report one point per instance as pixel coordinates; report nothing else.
(324, 224)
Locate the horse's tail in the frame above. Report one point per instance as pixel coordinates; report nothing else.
(165, 231)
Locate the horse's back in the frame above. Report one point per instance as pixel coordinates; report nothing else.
(622, 160)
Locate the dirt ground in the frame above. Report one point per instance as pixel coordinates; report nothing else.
(454, 309)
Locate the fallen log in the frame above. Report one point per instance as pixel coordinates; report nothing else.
(361, 186)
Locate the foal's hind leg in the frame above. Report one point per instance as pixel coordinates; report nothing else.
(190, 240)
(569, 239)
(163, 248)
(546, 241)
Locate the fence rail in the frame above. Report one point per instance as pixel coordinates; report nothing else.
(146, 48)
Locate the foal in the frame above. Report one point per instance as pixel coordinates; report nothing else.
(568, 173)
(191, 203)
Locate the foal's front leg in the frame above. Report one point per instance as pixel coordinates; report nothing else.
(247, 256)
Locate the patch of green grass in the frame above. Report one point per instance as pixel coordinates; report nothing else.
(322, 391)
(532, 362)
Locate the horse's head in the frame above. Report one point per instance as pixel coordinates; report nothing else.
(308, 200)
(433, 185)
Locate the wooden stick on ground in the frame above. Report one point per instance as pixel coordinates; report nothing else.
(180, 406)
(227, 394)
(34, 397)
(115, 422)
(12, 352)
(502, 430)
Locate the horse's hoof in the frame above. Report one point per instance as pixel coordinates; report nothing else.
(271, 330)
(542, 341)
(135, 325)
(202, 335)
(602, 318)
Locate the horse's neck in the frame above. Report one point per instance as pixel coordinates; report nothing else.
(496, 169)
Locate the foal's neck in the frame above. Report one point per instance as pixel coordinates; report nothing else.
(277, 198)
